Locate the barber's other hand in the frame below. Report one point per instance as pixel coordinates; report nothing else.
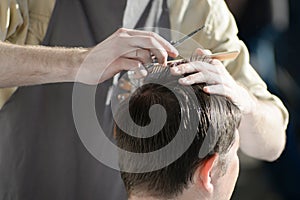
(125, 49)
(218, 81)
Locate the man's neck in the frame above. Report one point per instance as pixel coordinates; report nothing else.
(148, 198)
(190, 195)
(141, 198)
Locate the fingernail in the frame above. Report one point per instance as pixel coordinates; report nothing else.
(176, 70)
(205, 89)
(207, 51)
(175, 51)
(144, 72)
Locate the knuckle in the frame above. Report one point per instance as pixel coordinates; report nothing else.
(151, 34)
(150, 41)
(182, 68)
(207, 51)
(194, 66)
(191, 77)
(213, 80)
(200, 75)
(121, 30)
(164, 53)
(155, 35)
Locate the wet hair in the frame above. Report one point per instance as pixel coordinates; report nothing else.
(216, 119)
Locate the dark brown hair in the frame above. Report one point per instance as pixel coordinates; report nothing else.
(216, 119)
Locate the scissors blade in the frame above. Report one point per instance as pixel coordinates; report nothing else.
(178, 42)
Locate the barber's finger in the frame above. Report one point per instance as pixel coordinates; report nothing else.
(219, 90)
(126, 63)
(152, 45)
(200, 51)
(200, 77)
(138, 72)
(129, 65)
(135, 74)
(161, 56)
(142, 55)
(196, 66)
(118, 65)
(172, 51)
(226, 91)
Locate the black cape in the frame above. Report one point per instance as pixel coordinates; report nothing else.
(41, 155)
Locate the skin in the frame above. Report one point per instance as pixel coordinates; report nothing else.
(209, 181)
(262, 132)
(223, 184)
(126, 49)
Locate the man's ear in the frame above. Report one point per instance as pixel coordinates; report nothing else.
(202, 176)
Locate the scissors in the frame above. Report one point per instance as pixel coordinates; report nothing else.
(222, 56)
(180, 41)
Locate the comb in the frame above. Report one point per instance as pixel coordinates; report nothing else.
(222, 56)
(157, 67)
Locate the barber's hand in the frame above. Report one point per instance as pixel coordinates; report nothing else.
(218, 80)
(126, 49)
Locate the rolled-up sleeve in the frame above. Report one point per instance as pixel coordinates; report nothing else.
(220, 34)
(23, 22)
(4, 12)
(14, 21)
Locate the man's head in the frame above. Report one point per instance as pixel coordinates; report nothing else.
(208, 169)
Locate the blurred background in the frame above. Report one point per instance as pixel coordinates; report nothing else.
(270, 29)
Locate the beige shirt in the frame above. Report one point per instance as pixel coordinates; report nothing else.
(23, 22)
(26, 21)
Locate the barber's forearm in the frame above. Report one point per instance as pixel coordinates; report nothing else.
(262, 132)
(29, 65)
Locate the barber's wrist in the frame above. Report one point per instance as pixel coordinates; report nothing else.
(76, 59)
(250, 101)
